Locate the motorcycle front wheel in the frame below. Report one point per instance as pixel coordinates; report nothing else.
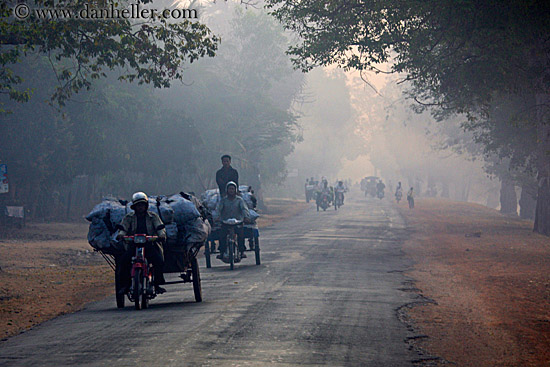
(231, 245)
(144, 297)
(137, 289)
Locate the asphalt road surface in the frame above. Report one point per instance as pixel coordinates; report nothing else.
(328, 292)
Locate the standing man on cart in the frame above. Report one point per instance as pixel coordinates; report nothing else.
(226, 174)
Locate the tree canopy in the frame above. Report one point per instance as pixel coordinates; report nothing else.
(457, 53)
(150, 51)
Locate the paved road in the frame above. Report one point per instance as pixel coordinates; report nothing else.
(327, 293)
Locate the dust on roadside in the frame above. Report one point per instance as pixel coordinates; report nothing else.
(489, 277)
(49, 269)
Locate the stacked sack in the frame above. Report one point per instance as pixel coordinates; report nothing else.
(158, 205)
(250, 201)
(192, 227)
(183, 222)
(104, 219)
(210, 199)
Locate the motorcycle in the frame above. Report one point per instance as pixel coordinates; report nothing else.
(380, 194)
(338, 199)
(398, 196)
(323, 202)
(142, 289)
(232, 253)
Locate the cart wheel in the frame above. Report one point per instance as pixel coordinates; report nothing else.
(207, 254)
(257, 249)
(120, 300)
(231, 245)
(119, 297)
(137, 290)
(197, 289)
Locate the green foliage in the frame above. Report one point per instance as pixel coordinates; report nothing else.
(150, 51)
(127, 137)
(457, 53)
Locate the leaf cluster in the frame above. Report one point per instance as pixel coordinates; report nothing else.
(150, 51)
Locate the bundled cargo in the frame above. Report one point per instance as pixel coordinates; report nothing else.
(253, 215)
(196, 231)
(180, 216)
(210, 198)
(99, 236)
(112, 209)
(184, 210)
(172, 233)
(247, 196)
(158, 205)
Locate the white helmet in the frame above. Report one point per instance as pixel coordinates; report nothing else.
(139, 197)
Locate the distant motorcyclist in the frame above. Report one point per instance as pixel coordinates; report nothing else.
(380, 189)
(339, 190)
(226, 174)
(232, 206)
(325, 189)
(142, 221)
(398, 192)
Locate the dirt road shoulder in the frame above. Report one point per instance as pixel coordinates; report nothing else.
(488, 275)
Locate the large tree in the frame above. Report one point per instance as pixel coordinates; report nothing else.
(458, 55)
(151, 50)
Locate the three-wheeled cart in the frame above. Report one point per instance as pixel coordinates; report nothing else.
(251, 233)
(177, 259)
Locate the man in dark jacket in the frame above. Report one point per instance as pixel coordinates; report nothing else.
(226, 174)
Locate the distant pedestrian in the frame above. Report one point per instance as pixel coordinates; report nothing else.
(410, 198)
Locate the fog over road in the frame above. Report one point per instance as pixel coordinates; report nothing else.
(327, 293)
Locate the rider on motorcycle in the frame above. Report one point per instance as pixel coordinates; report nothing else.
(340, 189)
(399, 192)
(142, 221)
(380, 188)
(232, 206)
(325, 189)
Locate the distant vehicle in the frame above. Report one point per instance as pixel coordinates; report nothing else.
(310, 190)
(232, 255)
(338, 198)
(368, 185)
(398, 195)
(324, 201)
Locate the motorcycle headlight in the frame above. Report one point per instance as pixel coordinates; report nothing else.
(140, 239)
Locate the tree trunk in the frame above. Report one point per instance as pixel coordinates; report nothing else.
(527, 204)
(445, 190)
(492, 198)
(508, 197)
(542, 213)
